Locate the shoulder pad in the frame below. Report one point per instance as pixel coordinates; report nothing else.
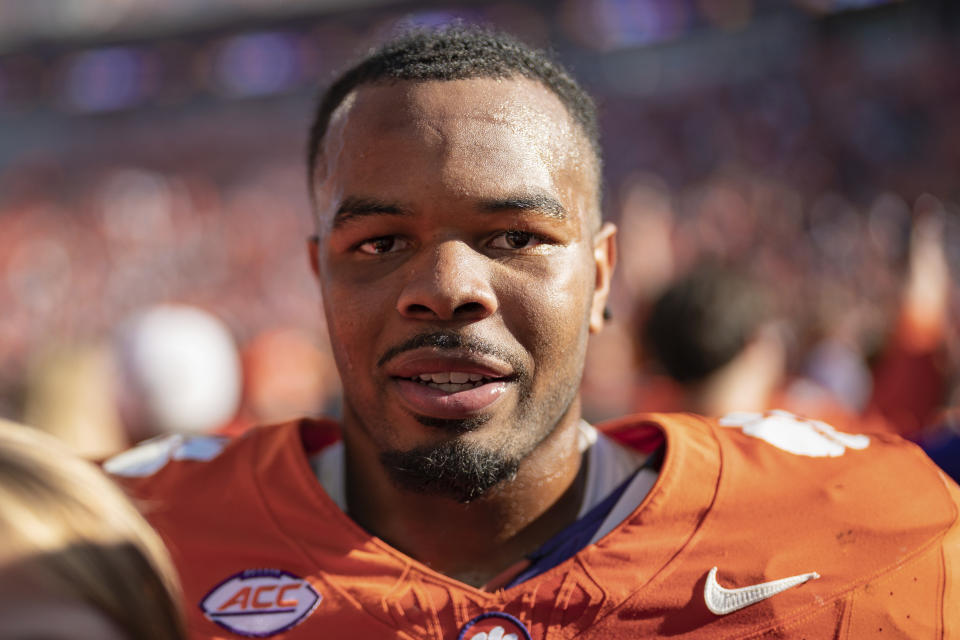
(152, 455)
(799, 436)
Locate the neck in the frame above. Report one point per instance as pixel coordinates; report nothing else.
(471, 542)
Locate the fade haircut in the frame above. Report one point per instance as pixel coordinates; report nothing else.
(455, 53)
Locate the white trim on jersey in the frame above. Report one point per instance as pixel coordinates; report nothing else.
(329, 467)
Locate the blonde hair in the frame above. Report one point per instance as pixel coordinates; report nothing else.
(70, 530)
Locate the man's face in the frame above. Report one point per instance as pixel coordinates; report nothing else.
(462, 266)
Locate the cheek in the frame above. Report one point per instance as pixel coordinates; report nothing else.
(550, 307)
(354, 317)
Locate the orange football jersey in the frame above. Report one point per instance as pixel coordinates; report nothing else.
(759, 525)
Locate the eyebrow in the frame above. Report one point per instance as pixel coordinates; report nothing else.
(352, 208)
(537, 203)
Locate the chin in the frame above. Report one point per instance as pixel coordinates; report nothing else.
(455, 468)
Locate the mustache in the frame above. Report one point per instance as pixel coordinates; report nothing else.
(454, 340)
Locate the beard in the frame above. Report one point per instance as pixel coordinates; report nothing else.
(459, 469)
(454, 469)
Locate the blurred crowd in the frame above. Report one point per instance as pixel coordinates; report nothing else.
(811, 174)
(788, 201)
(814, 183)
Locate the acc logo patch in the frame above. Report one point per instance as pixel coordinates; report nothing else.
(259, 603)
(494, 625)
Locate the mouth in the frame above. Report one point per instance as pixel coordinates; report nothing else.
(449, 385)
(453, 381)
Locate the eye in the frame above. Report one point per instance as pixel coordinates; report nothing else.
(515, 240)
(381, 245)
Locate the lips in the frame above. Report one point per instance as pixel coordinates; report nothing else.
(449, 384)
(453, 381)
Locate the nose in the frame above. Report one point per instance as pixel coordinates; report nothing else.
(449, 282)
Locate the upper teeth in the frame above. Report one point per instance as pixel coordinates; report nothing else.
(455, 377)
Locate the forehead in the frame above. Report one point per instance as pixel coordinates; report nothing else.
(510, 134)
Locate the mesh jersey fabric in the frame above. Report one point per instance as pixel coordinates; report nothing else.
(876, 521)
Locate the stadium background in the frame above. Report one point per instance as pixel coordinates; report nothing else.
(152, 151)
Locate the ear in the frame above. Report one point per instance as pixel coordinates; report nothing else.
(605, 257)
(313, 251)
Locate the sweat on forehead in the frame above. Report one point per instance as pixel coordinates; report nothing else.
(518, 107)
(484, 137)
(450, 54)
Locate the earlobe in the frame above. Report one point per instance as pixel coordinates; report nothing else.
(605, 257)
(313, 251)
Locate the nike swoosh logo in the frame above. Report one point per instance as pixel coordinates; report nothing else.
(723, 601)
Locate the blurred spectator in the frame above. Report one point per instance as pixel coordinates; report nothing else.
(714, 333)
(175, 369)
(70, 395)
(911, 379)
(286, 376)
(77, 562)
(179, 371)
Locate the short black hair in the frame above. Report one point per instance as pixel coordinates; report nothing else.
(704, 320)
(455, 52)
